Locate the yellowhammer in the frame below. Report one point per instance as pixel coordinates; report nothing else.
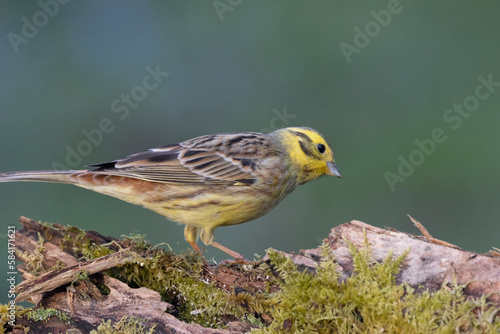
(209, 181)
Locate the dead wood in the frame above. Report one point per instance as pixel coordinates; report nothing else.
(56, 278)
(427, 266)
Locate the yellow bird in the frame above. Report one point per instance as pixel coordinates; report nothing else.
(209, 181)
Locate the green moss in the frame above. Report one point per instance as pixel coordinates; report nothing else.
(6, 313)
(82, 275)
(370, 301)
(74, 241)
(138, 241)
(44, 314)
(178, 278)
(34, 260)
(127, 325)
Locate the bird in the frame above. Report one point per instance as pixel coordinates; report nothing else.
(209, 181)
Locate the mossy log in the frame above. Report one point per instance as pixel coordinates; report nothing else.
(82, 274)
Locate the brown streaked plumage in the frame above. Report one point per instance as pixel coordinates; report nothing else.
(209, 181)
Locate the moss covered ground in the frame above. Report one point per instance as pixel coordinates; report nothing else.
(292, 301)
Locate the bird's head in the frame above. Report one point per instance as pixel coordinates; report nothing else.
(309, 152)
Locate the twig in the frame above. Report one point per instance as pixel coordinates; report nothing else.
(429, 237)
(56, 278)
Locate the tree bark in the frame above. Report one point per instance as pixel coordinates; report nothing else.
(427, 265)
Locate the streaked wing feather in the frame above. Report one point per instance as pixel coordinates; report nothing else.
(209, 162)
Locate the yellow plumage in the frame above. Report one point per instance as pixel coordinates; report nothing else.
(209, 181)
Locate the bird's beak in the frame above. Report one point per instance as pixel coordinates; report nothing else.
(333, 169)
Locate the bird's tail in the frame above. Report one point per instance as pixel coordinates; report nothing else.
(55, 176)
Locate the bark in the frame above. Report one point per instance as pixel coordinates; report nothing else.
(427, 265)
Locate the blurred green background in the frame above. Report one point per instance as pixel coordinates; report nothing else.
(373, 77)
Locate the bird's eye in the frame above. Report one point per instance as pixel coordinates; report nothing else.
(321, 148)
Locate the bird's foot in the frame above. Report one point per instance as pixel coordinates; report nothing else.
(237, 260)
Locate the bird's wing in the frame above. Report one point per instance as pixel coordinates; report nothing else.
(227, 159)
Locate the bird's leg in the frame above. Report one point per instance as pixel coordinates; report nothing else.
(195, 247)
(237, 256)
(207, 236)
(198, 250)
(191, 234)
